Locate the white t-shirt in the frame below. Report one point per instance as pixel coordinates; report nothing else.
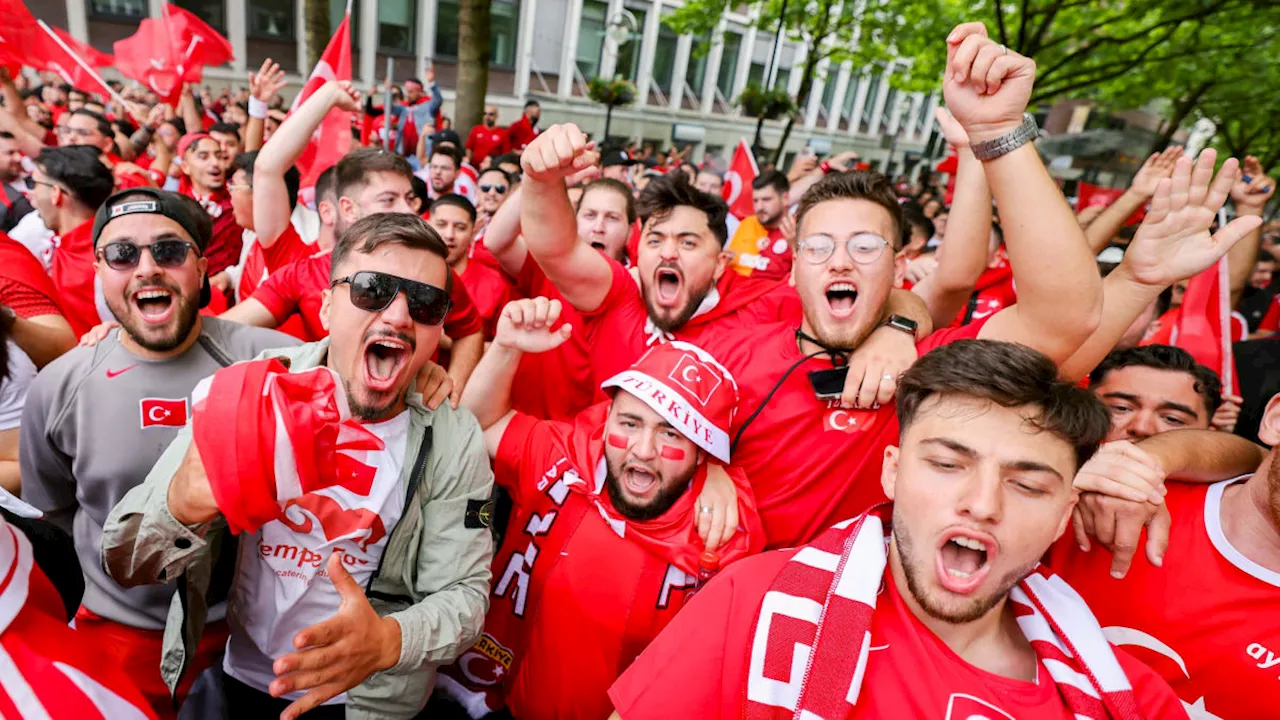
(282, 586)
(13, 389)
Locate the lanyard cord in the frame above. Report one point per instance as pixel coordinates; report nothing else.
(837, 357)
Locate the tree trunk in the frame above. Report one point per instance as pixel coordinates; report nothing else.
(473, 63)
(317, 32)
(802, 101)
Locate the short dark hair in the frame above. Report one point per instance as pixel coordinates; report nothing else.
(124, 126)
(355, 166)
(507, 159)
(414, 80)
(1164, 301)
(1164, 357)
(421, 190)
(373, 231)
(455, 200)
(612, 186)
(178, 124)
(916, 220)
(666, 193)
(228, 128)
(855, 185)
(774, 179)
(532, 103)
(104, 125)
(506, 177)
(292, 178)
(1009, 375)
(448, 150)
(325, 185)
(1263, 255)
(77, 169)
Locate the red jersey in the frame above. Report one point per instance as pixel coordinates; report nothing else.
(228, 237)
(519, 134)
(489, 291)
(573, 601)
(993, 292)
(1271, 321)
(298, 287)
(485, 141)
(74, 277)
(25, 287)
(811, 462)
(760, 252)
(1208, 621)
(553, 385)
(698, 666)
(261, 262)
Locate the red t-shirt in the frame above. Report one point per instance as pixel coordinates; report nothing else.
(1271, 321)
(25, 287)
(228, 237)
(1208, 621)
(770, 257)
(520, 134)
(553, 385)
(810, 462)
(73, 277)
(489, 291)
(993, 292)
(298, 287)
(697, 667)
(485, 141)
(261, 262)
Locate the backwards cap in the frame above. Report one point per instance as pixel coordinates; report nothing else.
(689, 389)
(150, 201)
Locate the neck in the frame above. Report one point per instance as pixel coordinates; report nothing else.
(132, 345)
(460, 266)
(326, 239)
(70, 219)
(1248, 519)
(808, 347)
(992, 643)
(200, 190)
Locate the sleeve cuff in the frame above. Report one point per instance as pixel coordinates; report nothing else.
(412, 645)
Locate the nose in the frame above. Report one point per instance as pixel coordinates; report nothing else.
(1142, 426)
(840, 258)
(645, 448)
(980, 496)
(397, 313)
(147, 266)
(598, 225)
(669, 249)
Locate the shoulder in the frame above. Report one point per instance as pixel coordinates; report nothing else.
(73, 366)
(244, 342)
(455, 433)
(738, 348)
(1155, 698)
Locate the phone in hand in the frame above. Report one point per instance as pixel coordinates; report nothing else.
(829, 384)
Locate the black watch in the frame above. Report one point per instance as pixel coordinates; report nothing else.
(905, 324)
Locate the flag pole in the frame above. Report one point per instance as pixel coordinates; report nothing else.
(386, 109)
(83, 65)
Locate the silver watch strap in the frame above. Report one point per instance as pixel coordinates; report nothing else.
(1010, 141)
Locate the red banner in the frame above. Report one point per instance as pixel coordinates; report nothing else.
(332, 139)
(737, 181)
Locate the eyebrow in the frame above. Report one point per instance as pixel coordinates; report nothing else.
(968, 452)
(636, 418)
(1166, 405)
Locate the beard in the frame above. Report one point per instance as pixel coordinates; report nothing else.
(666, 497)
(845, 336)
(913, 568)
(375, 411)
(685, 314)
(184, 320)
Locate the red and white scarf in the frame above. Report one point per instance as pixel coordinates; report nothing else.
(831, 586)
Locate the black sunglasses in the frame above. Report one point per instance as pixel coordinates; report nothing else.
(497, 188)
(127, 255)
(374, 292)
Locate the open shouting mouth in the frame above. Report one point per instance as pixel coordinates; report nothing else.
(964, 559)
(667, 281)
(155, 304)
(385, 358)
(841, 295)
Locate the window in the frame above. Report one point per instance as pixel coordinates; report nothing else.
(729, 63)
(664, 60)
(447, 28)
(591, 37)
(337, 9)
(850, 95)
(271, 19)
(886, 113)
(829, 91)
(120, 8)
(397, 21)
(210, 11)
(784, 78)
(504, 16)
(696, 71)
(868, 107)
(628, 63)
(755, 76)
(922, 117)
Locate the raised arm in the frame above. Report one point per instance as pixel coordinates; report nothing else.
(1109, 221)
(987, 88)
(550, 231)
(263, 85)
(963, 255)
(1249, 195)
(1173, 243)
(29, 133)
(270, 196)
(188, 110)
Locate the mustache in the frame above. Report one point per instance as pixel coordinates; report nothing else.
(153, 284)
(403, 337)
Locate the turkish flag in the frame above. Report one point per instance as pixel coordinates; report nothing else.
(55, 50)
(1204, 325)
(332, 139)
(1088, 196)
(163, 54)
(737, 181)
(18, 30)
(163, 412)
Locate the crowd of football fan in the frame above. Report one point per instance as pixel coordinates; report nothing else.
(526, 426)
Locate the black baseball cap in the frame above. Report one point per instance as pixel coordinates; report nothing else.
(149, 201)
(446, 136)
(614, 158)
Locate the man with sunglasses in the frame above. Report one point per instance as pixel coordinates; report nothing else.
(97, 418)
(487, 138)
(493, 185)
(454, 218)
(204, 170)
(416, 539)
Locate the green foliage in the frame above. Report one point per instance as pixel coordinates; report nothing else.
(615, 92)
(757, 102)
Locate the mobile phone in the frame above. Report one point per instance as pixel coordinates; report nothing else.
(828, 384)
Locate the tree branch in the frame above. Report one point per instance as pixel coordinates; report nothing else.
(1000, 28)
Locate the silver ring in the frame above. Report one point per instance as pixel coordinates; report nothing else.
(705, 508)
(886, 376)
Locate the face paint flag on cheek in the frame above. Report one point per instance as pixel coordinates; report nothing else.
(618, 440)
(671, 453)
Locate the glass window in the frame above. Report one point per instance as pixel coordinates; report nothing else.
(922, 117)
(271, 19)
(628, 63)
(869, 106)
(886, 114)
(850, 95)
(783, 79)
(696, 70)
(121, 8)
(397, 20)
(591, 37)
(664, 60)
(337, 9)
(504, 16)
(829, 90)
(447, 28)
(729, 63)
(210, 11)
(755, 76)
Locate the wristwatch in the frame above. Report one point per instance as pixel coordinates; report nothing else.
(904, 324)
(1007, 143)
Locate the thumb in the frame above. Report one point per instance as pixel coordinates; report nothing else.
(346, 585)
(1234, 231)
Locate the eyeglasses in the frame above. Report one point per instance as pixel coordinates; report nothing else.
(374, 292)
(864, 248)
(495, 188)
(127, 255)
(239, 187)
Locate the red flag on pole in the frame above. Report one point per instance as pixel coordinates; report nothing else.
(165, 53)
(332, 139)
(55, 50)
(1204, 325)
(17, 31)
(737, 181)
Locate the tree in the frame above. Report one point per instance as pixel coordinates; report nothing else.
(610, 93)
(474, 49)
(316, 28)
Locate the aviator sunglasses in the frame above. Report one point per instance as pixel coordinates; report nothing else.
(375, 291)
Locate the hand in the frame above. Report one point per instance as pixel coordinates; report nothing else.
(921, 268)
(804, 164)
(1124, 471)
(156, 116)
(345, 96)
(1089, 214)
(268, 81)
(436, 385)
(787, 226)
(557, 153)
(525, 325)
(845, 161)
(1225, 417)
(720, 495)
(986, 85)
(951, 129)
(339, 653)
(1252, 191)
(430, 74)
(875, 367)
(1173, 241)
(221, 282)
(1157, 167)
(190, 495)
(585, 175)
(1118, 524)
(97, 333)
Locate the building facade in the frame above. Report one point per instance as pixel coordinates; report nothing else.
(547, 49)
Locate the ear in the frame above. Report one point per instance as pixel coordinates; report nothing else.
(347, 207)
(1066, 515)
(202, 266)
(328, 213)
(722, 261)
(1269, 428)
(889, 471)
(899, 268)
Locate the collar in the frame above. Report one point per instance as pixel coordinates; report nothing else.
(658, 335)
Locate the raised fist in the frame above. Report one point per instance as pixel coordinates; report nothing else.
(557, 153)
(986, 85)
(525, 325)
